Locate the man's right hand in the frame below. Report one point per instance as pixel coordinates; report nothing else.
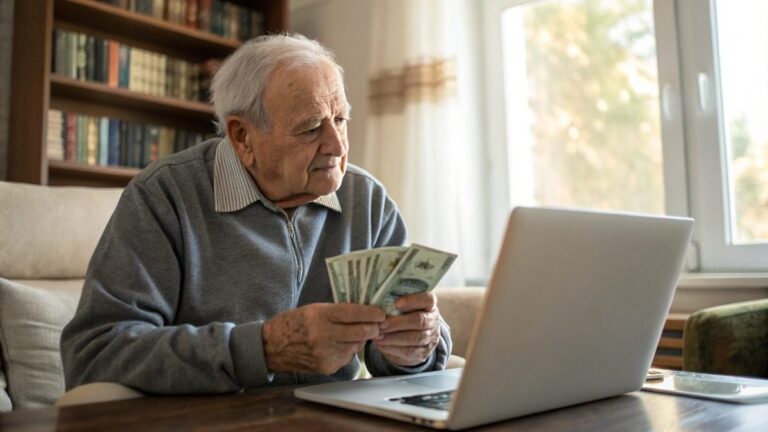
(320, 337)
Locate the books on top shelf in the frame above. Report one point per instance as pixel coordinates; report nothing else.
(92, 140)
(88, 58)
(222, 18)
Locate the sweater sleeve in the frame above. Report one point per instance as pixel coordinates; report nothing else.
(393, 233)
(123, 330)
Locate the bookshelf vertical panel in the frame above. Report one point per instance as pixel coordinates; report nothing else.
(31, 63)
(276, 17)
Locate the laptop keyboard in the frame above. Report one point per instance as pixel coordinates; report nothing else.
(440, 400)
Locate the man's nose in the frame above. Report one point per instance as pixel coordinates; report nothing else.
(333, 140)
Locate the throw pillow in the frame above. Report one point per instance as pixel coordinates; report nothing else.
(5, 400)
(31, 320)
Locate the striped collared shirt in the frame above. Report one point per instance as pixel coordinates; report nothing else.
(235, 189)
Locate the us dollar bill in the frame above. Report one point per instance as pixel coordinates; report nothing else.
(338, 282)
(419, 270)
(384, 260)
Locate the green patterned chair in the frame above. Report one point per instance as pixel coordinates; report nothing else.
(730, 340)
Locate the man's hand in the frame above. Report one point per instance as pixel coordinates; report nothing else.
(409, 339)
(320, 337)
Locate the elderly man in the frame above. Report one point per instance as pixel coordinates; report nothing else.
(210, 276)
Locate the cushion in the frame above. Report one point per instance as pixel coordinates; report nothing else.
(729, 339)
(459, 308)
(5, 400)
(51, 232)
(31, 320)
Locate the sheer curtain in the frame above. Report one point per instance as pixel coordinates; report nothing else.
(416, 138)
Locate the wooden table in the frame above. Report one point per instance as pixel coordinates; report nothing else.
(277, 409)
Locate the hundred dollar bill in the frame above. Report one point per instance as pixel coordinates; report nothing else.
(420, 269)
(383, 261)
(353, 274)
(347, 275)
(338, 282)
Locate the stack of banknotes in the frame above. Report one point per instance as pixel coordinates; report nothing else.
(380, 276)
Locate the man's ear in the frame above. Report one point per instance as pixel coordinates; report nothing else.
(238, 134)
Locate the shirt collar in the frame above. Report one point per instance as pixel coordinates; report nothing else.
(234, 188)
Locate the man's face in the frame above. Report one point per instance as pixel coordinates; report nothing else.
(303, 155)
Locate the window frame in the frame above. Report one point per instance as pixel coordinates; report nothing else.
(706, 144)
(693, 144)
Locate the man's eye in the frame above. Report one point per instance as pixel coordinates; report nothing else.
(341, 121)
(312, 131)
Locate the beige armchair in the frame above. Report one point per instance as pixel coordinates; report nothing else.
(47, 235)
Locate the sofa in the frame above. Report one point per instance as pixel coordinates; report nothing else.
(48, 235)
(730, 339)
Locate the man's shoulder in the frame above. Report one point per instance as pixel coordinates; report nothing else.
(358, 175)
(191, 162)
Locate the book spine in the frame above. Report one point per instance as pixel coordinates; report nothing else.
(70, 62)
(182, 82)
(103, 141)
(181, 16)
(166, 142)
(225, 19)
(204, 15)
(54, 141)
(147, 144)
(137, 147)
(92, 142)
(82, 139)
(123, 151)
(194, 82)
(114, 142)
(90, 58)
(113, 68)
(124, 68)
(60, 52)
(70, 145)
(158, 9)
(104, 64)
(129, 133)
(81, 48)
(217, 9)
(244, 24)
(149, 72)
(133, 69)
(162, 61)
(190, 14)
(142, 70)
(233, 20)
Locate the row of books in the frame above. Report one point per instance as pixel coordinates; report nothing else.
(222, 18)
(88, 58)
(92, 140)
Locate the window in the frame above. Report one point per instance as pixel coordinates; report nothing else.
(639, 105)
(596, 144)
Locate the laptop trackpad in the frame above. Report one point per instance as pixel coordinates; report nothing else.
(433, 381)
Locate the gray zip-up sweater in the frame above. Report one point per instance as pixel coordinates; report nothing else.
(195, 259)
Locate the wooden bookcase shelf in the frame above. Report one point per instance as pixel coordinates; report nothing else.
(101, 94)
(67, 173)
(35, 90)
(140, 30)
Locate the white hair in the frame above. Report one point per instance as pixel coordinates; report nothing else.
(238, 86)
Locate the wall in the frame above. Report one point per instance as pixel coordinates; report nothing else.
(6, 43)
(342, 26)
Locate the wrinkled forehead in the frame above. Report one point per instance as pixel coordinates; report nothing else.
(296, 87)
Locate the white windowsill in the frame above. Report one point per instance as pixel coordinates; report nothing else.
(723, 280)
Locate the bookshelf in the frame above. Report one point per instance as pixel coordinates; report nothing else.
(35, 89)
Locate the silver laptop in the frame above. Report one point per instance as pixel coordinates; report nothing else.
(573, 313)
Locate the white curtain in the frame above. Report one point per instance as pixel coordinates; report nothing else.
(416, 139)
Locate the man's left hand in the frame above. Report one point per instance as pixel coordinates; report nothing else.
(408, 339)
